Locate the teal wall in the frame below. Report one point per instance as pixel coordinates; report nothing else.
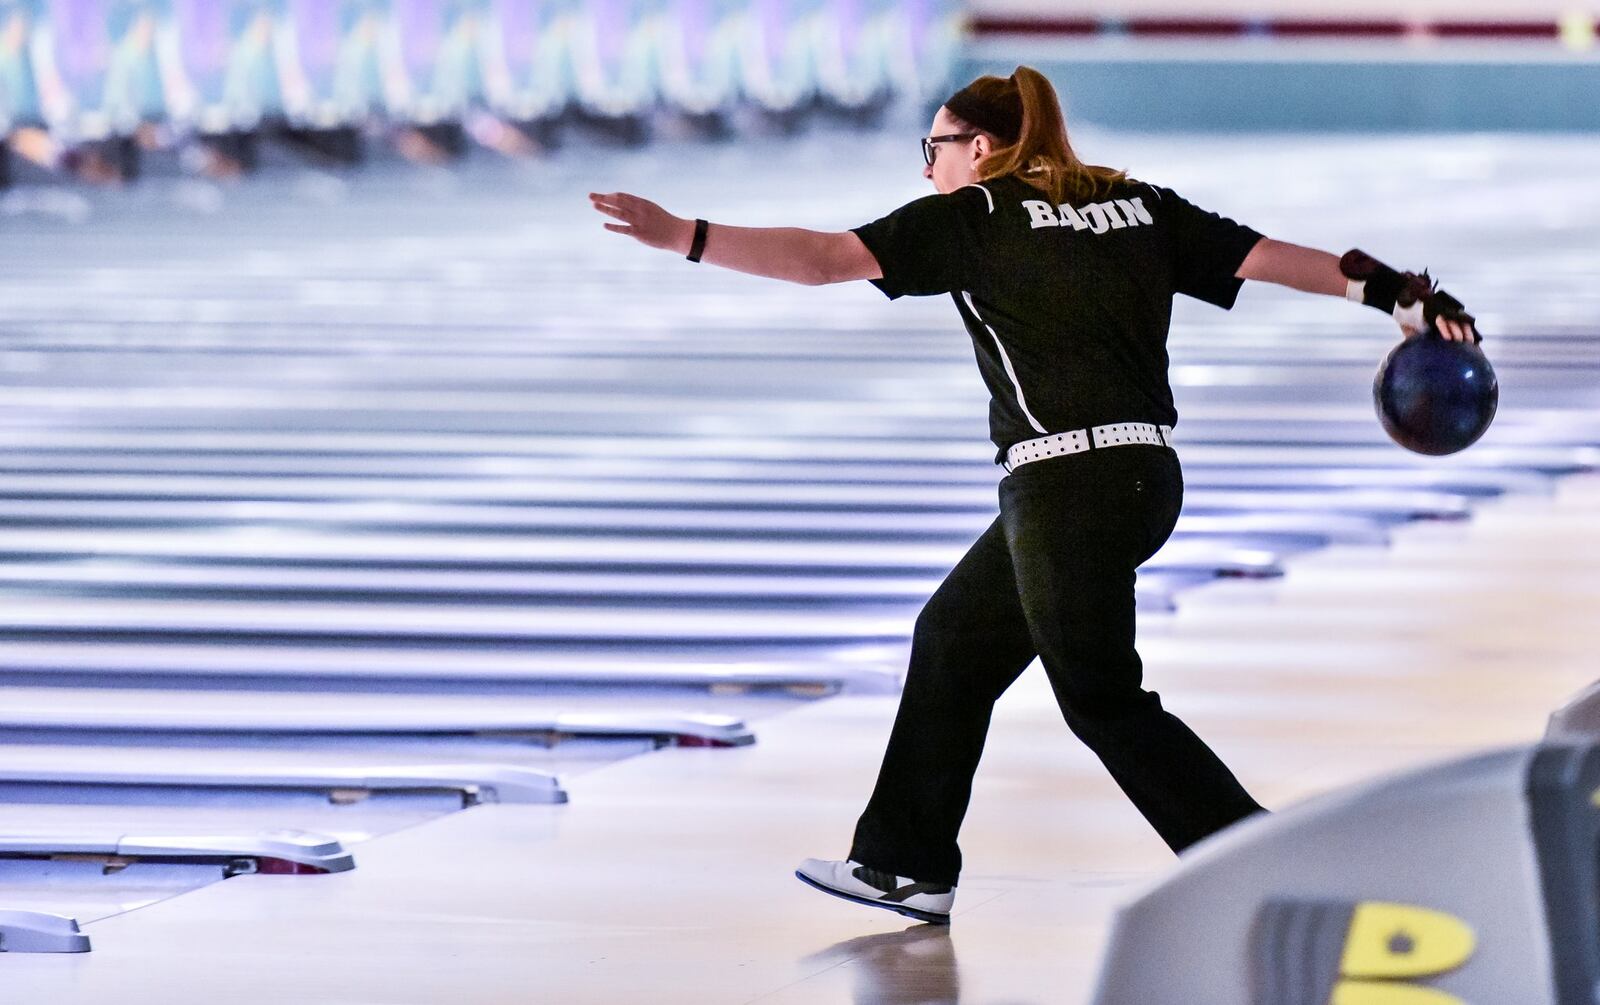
(1168, 88)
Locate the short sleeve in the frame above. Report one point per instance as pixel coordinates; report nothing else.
(928, 246)
(1207, 250)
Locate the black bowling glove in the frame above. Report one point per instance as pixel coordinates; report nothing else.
(1413, 300)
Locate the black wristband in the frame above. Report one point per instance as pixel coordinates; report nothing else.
(698, 246)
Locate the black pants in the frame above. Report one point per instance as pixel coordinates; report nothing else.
(1052, 577)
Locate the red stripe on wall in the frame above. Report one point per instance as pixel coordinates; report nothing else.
(1034, 26)
(1292, 28)
(1496, 29)
(1341, 29)
(1190, 27)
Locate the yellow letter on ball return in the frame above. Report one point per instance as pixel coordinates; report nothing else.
(1399, 940)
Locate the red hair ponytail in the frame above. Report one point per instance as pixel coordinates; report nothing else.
(1041, 155)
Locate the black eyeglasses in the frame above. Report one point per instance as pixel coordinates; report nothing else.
(928, 153)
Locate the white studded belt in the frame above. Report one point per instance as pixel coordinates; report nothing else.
(1117, 434)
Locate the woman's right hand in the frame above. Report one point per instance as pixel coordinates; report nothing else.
(1450, 329)
(644, 221)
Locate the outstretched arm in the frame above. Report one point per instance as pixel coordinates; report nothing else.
(1313, 271)
(809, 257)
(1304, 269)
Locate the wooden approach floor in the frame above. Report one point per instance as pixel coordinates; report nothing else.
(668, 878)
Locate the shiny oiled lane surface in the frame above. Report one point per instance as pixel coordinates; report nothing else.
(394, 377)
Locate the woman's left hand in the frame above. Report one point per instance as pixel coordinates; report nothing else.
(644, 221)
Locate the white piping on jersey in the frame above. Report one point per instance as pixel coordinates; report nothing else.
(1010, 372)
(986, 194)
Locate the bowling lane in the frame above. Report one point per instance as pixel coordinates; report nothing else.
(675, 522)
(613, 671)
(663, 715)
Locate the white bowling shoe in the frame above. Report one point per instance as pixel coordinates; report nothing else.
(864, 885)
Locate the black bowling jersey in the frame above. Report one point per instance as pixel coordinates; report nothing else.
(1068, 305)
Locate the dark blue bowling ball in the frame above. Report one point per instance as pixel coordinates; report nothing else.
(1435, 396)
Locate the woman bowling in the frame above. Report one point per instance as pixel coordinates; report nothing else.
(1063, 274)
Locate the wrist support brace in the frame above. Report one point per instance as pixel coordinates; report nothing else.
(1413, 300)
